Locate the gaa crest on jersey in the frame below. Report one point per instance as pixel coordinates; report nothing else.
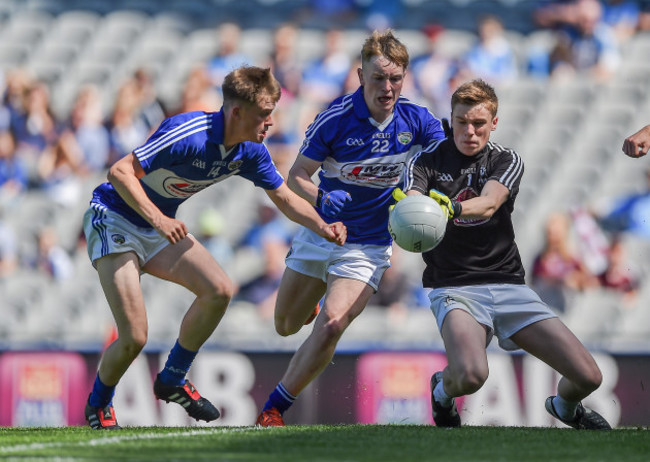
(405, 137)
(235, 164)
(119, 239)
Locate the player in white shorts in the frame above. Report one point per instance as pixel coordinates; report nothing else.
(131, 229)
(361, 144)
(476, 273)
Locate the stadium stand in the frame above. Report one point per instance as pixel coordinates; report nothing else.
(569, 133)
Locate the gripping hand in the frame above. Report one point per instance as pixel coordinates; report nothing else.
(331, 203)
(398, 195)
(451, 206)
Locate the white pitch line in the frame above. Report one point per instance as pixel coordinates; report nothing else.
(116, 439)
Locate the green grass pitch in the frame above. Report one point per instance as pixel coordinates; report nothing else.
(342, 443)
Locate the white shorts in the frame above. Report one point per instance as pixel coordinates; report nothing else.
(504, 309)
(109, 232)
(315, 256)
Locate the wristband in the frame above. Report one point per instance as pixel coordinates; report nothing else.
(319, 198)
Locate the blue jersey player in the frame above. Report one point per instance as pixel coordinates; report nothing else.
(361, 144)
(131, 228)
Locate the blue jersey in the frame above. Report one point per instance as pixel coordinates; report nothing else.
(367, 159)
(186, 155)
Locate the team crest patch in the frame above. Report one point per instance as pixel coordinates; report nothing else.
(118, 239)
(405, 137)
(235, 164)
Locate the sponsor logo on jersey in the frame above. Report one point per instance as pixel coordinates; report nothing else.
(198, 163)
(235, 164)
(405, 137)
(444, 177)
(118, 238)
(354, 142)
(466, 194)
(378, 174)
(178, 187)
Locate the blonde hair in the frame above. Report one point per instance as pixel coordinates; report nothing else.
(476, 92)
(248, 84)
(387, 45)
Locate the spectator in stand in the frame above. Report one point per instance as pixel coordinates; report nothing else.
(199, 93)
(13, 170)
(630, 213)
(323, 78)
(270, 236)
(150, 108)
(557, 271)
(34, 125)
(17, 83)
(8, 250)
(60, 170)
(228, 56)
(284, 62)
(283, 142)
(621, 274)
(433, 70)
(586, 44)
(126, 129)
(89, 136)
(51, 258)
(211, 225)
(623, 16)
(492, 57)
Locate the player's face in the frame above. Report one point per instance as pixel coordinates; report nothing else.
(382, 83)
(472, 126)
(257, 119)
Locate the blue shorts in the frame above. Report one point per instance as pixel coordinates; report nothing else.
(504, 309)
(315, 256)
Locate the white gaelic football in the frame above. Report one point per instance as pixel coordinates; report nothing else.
(417, 223)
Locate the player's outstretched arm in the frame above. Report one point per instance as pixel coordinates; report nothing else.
(637, 145)
(125, 176)
(329, 202)
(302, 212)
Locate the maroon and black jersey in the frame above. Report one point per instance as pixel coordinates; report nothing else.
(473, 251)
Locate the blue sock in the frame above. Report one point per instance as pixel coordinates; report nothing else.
(177, 365)
(280, 399)
(102, 395)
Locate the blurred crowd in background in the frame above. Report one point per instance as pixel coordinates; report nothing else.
(59, 155)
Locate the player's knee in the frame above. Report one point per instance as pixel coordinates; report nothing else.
(133, 344)
(221, 294)
(592, 380)
(471, 379)
(284, 327)
(333, 329)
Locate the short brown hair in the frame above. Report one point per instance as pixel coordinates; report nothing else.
(385, 44)
(248, 84)
(476, 92)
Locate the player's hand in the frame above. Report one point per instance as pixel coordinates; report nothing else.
(174, 230)
(331, 203)
(637, 145)
(451, 206)
(398, 195)
(336, 232)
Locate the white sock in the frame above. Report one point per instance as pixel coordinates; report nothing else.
(565, 409)
(441, 397)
